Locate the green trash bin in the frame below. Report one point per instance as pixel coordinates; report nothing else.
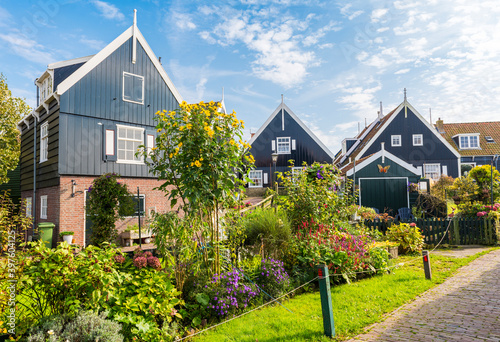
(46, 229)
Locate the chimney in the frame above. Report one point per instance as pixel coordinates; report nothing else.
(440, 125)
(251, 135)
(380, 113)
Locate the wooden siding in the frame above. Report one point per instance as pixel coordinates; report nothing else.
(82, 143)
(47, 172)
(99, 93)
(13, 185)
(307, 150)
(432, 151)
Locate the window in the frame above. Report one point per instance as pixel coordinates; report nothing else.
(150, 143)
(29, 206)
(489, 139)
(129, 140)
(418, 140)
(110, 142)
(432, 171)
(46, 88)
(133, 88)
(142, 204)
(256, 179)
(43, 207)
(44, 142)
(283, 145)
(469, 141)
(395, 140)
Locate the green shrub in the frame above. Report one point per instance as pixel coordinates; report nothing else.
(85, 327)
(407, 235)
(379, 259)
(267, 226)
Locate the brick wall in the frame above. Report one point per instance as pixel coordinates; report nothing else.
(68, 212)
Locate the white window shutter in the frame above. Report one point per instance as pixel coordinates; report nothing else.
(110, 142)
(293, 144)
(445, 170)
(273, 145)
(419, 168)
(266, 181)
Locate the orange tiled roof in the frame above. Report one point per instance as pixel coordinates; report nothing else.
(484, 129)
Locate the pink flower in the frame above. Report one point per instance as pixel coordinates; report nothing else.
(119, 258)
(140, 262)
(413, 224)
(481, 213)
(154, 262)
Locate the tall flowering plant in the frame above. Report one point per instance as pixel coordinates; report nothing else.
(198, 155)
(342, 252)
(272, 277)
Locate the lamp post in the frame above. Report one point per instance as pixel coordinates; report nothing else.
(274, 157)
(495, 157)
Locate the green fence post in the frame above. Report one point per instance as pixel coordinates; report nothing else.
(326, 300)
(427, 265)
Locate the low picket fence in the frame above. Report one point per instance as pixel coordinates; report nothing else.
(461, 231)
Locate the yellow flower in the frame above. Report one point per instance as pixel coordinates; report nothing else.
(192, 163)
(201, 159)
(197, 163)
(158, 130)
(170, 155)
(218, 128)
(180, 144)
(231, 142)
(181, 128)
(189, 126)
(211, 133)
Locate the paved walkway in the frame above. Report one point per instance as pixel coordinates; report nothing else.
(464, 308)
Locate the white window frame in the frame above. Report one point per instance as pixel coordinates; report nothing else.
(464, 141)
(118, 139)
(418, 139)
(150, 142)
(44, 142)
(285, 143)
(123, 88)
(428, 174)
(29, 206)
(46, 88)
(253, 183)
(43, 207)
(393, 142)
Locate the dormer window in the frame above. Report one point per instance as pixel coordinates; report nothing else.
(469, 141)
(489, 139)
(46, 88)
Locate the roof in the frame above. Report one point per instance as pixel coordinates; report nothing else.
(299, 122)
(363, 162)
(484, 129)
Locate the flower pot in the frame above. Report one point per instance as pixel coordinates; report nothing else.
(147, 240)
(68, 239)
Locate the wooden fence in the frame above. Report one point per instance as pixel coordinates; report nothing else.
(457, 231)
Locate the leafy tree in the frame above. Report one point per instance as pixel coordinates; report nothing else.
(109, 201)
(198, 155)
(12, 110)
(438, 188)
(482, 176)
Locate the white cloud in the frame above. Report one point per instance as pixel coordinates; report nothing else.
(183, 21)
(402, 71)
(94, 44)
(346, 12)
(108, 11)
(378, 14)
(27, 48)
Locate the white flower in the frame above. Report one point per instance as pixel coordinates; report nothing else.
(50, 332)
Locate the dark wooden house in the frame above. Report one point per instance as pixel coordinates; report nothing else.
(92, 115)
(287, 136)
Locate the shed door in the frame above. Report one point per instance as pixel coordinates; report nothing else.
(385, 194)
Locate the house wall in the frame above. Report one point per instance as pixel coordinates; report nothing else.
(47, 172)
(307, 150)
(432, 151)
(68, 213)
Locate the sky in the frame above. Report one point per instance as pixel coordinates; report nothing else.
(333, 61)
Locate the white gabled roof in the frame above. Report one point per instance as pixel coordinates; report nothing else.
(385, 154)
(417, 114)
(301, 124)
(108, 50)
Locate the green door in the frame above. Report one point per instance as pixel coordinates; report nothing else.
(385, 194)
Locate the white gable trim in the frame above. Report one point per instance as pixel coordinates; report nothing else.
(301, 124)
(417, 114)
(62, 64)
(108, 50)
(384, 154)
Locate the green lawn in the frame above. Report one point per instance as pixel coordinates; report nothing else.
(355, 306)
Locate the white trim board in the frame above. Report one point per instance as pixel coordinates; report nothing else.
(108, 50)
(388, 155)
(417, 114)
(301, 124)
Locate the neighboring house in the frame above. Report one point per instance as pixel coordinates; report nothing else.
(477, 142)
(93, 113)
(13, 186)
(287, 136)
(404, 134)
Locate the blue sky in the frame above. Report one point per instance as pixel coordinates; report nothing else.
(334, 61)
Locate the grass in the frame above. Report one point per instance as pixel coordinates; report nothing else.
(355, 306)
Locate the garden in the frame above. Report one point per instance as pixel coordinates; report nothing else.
(215, 259)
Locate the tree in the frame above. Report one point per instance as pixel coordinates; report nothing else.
(483, 177)
(198, 155)
(109, 201)
(12, 110)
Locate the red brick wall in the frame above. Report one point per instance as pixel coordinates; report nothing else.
(68, 213)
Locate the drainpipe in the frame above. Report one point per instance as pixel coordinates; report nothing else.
(33, 202)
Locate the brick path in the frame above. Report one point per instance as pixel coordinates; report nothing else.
(464, 308)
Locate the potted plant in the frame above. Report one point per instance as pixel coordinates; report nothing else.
(67, 236)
